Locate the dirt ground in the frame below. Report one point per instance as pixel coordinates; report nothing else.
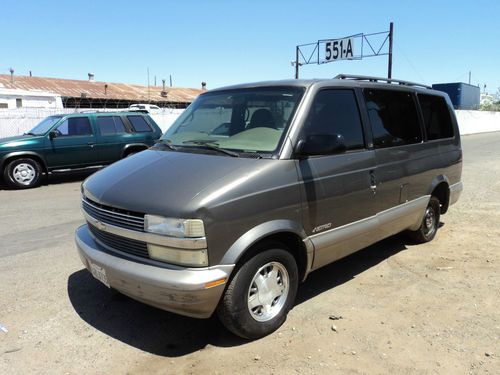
(400, 308)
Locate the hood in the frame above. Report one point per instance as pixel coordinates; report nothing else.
(160, 182)
(20, 142)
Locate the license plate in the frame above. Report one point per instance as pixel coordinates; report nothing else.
(99, 273)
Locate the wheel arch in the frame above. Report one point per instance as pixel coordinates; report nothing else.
(286, 232)
(23, 154)
(440, 188)
(134, 147)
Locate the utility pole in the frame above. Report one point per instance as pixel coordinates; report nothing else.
(469, 76)
(391, 34)
(297, 62)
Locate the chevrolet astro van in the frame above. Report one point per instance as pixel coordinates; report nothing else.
(256, 185)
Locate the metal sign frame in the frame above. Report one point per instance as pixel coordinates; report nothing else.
(305, 54)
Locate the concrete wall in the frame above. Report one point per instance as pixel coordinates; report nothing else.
(472, 122)
(19, 121)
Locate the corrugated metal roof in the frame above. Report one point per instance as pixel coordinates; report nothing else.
(96, 90)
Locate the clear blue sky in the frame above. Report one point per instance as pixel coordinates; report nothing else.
(227, 42)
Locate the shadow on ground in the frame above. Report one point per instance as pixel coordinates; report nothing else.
(170, 335)
(54, 179)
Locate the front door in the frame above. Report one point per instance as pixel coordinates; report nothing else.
(338, 201)
(73, 145)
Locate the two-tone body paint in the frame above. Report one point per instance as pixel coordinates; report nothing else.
(335, 204)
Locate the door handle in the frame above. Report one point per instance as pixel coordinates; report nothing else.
(91, 144)
(373, 183)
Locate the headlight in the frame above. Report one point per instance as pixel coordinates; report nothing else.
(189, 258)
(174, 227)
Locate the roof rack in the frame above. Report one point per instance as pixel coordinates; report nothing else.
(92, 111)
(114, 110)
(378, 79)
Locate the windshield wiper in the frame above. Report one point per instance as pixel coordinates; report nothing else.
(29, 133)
(212, 146)
(166, 143)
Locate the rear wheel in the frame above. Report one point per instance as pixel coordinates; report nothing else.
(23, 173)
(261, 293)
(430, 223)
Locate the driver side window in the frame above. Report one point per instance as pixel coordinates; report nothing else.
(74, 126)
(336, 112)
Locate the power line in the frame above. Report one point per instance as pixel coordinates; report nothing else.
(422, 79)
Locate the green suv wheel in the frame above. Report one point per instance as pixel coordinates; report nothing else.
(261, 293)
(23, 173)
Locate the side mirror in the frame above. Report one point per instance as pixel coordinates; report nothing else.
(53, 134)
(321, 144)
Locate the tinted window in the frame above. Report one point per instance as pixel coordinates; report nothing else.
(436, 115)
(393, 117)
(106, 125)
(336, 112)
(110, 125)
(139, 124)
(120, 127)
(75, 126)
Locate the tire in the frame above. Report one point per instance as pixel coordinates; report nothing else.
(23, 173)
(259, 296)
(430, 223)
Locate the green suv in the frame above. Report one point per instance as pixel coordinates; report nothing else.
(65, 143)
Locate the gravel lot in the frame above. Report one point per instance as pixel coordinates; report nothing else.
(426, 309)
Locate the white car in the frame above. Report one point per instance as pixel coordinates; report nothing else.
(151, 108)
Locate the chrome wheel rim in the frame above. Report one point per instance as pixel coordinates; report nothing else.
(24, 173)
(429, 221)
(268, 291)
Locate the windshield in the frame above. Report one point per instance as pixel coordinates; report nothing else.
(44, 126)
(243, 120)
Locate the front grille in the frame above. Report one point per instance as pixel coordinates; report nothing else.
(114, 216)
(120, 218)
(127, 245)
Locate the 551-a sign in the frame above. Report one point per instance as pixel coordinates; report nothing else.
(339, 49)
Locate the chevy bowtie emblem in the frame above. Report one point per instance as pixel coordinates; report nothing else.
(100, 225)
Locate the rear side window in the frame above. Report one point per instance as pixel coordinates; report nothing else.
(139, 124)
(110, 125)
(393, 117)
(336, 112)
(436, 115)
(74, 126)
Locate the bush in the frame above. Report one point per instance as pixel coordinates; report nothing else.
(495, 107)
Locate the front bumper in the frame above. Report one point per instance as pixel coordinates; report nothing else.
(179, 290)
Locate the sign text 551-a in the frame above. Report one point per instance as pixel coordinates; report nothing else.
(339, 49)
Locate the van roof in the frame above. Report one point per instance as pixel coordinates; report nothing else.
(341, 80)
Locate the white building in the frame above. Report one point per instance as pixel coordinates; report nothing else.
(16, 98)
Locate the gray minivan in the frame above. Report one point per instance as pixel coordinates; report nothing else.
(254, 186)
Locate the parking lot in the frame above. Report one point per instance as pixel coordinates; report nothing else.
(394, 307)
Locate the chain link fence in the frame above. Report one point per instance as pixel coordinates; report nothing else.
(20, 120)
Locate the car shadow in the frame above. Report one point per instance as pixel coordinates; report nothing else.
(55, 179)
(165, 334)
(348, 268)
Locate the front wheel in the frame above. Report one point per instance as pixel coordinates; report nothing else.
(23, 173)
(261, 293)
(430, 223)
